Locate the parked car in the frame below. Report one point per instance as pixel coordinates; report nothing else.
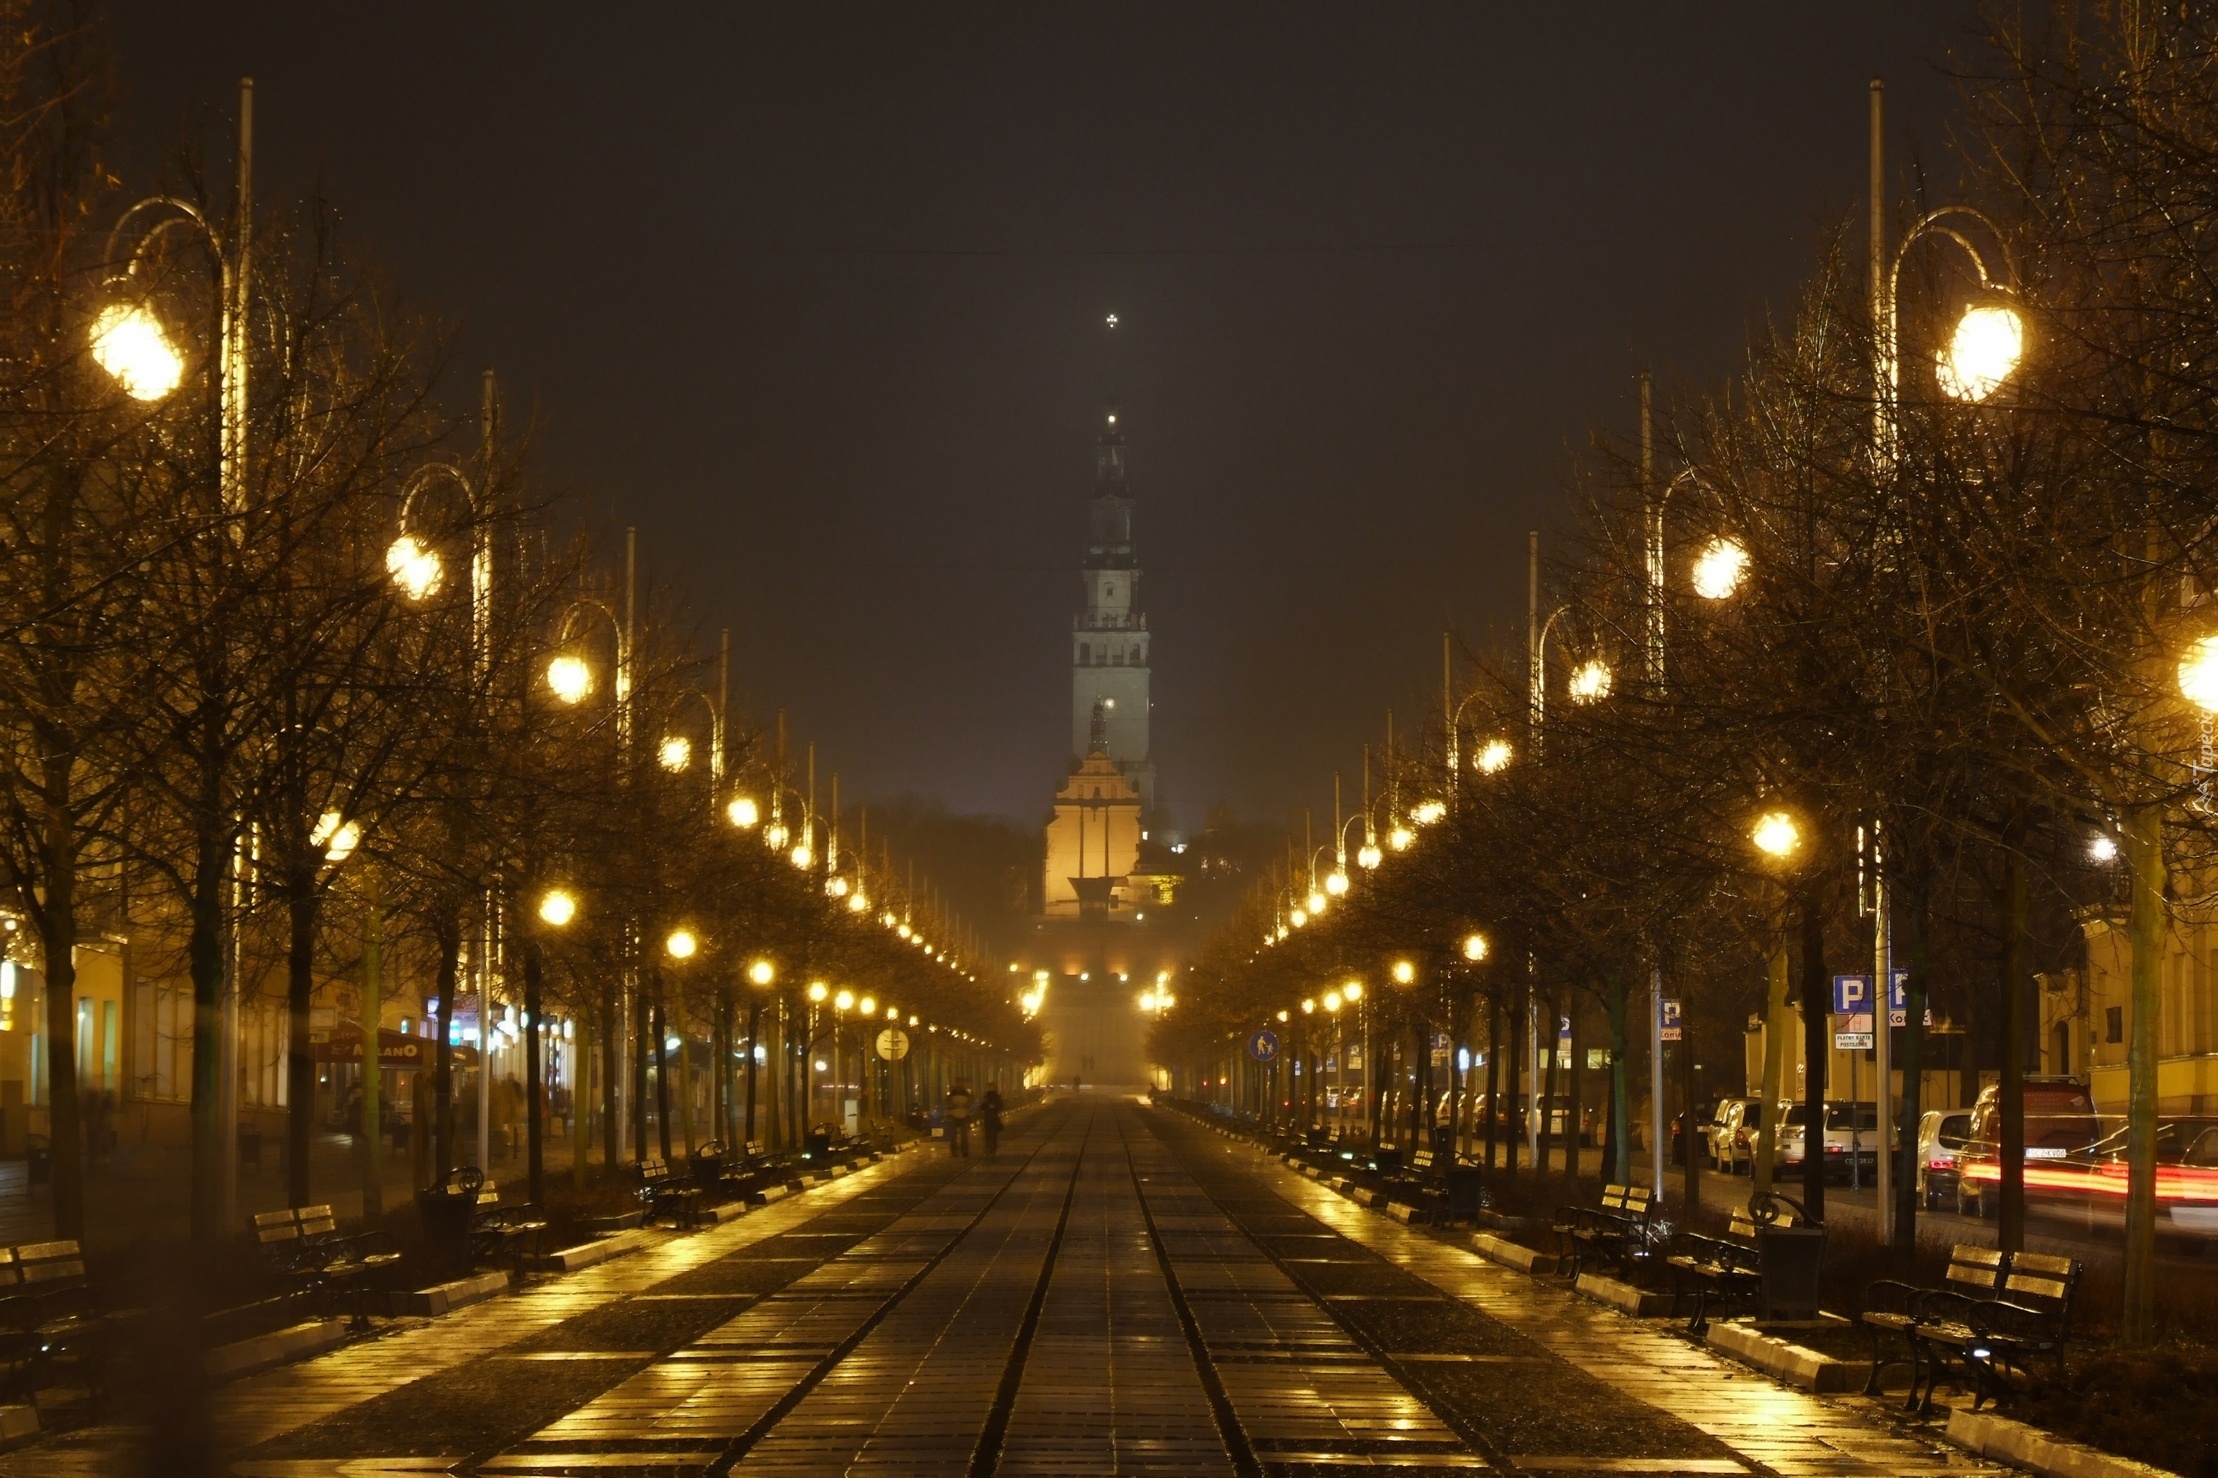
(1852, 1138)
(2060, 1126)
(1703, 1115)
(1733, 1141)
(1942, 1135)
(1513, 1122)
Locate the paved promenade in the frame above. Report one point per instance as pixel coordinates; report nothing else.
(1119, 1291)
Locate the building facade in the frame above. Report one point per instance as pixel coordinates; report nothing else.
(1109, 635)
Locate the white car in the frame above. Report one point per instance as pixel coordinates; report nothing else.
(1942, 1135)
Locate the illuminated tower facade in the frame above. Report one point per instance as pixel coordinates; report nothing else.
(1109, 635)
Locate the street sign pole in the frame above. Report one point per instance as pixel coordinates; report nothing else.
(1882, 1040)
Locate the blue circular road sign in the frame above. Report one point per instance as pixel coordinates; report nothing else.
(1263, 1046)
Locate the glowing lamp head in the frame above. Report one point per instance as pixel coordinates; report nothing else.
(844, 1001)
(2198, 674)
(1316, 902)
(2103, 850)
(1982, 353)
(1370, 856)
(1297, 918)
(1336, 884)
(1718, 569)
(1332, 1000)
(1590, 683)
(741, 811)
(1493, 757)
(761, 972)
(858, 902)
(570, 678)
(1425, 813)
(1474, 947)
(1309, 1006)
(128, 342)
(836, 886)
(1776, 835)
(1404, 972)
(415, 567)
(1353, 990)
(1283, 1016)
(804, 856)
(775, 836)
(557, 907)
(818, 990)
(336, 835)
(1400, 838)
(868, 1006)
(681, 944)
(675, 753)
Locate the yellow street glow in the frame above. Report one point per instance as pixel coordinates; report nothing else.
(1336, 884)
(1297, 918)
(570, 678)
(1332, 1000)
(414, 567)
(741, 811)
(1404, 972)
(804, 856)
(762, 972)
(1425, 813)
(2198, 674)
(676, 753)
(336, 835)
(1353, 990)
(1591, 682)
(1474, 947)
(1775, 834)
(844, 1001)
(681, 944)
(1494, 757)
(1316, 902)
(128, 342)
(868, 1006)
(818, 990)
(1718, 569)
(1370, 856)
(1400, 838)
(557, 906)
(1982, 353)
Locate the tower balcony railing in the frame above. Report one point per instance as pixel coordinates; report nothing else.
(1109, 621)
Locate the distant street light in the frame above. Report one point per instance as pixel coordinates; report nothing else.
(2198, 674)
(1474, 947)
(1718, 569)
(742, 812)
(570, 678)
(1590, 682)
(1776, 835)
(762, 972)
(1981, 354)
(557, 907)
(681, 944)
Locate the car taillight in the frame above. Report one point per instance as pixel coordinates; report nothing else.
(1939, 1165)
(1834, 1149)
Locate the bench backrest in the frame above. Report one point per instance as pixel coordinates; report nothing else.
(1977, 1271)
(1630, 1198)
(290, 1225)
(2042, 1283)
(653, 1170)
(40, 1263)
(1422, 1160)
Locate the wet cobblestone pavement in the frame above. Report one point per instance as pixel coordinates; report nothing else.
(1119, 1291)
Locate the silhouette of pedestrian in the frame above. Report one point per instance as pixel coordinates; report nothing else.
(989, 1115)
(958, 1118)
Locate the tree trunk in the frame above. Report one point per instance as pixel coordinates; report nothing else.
(535, 1164)
(1493, 1075)
(2016, 907)
(57, 920)
(1817, 1009)
(2145, 856)
(1687, 1092)
(204, 949)
(300, 1001)
(754, 1039)
(449, 929)
(1572, 1117)
(1621, 1107)
(371, 1130)
(611, 1034)
(1510, 1094)
(1913, 897)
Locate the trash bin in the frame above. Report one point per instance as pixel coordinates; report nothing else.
(446, 1210)
(250, 1146)
(1466, 1192)
(707, 1164)
(819, 1144)
(1387, 1159)
(1792, 1257)
(41, 1156)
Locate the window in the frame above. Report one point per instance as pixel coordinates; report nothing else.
(1085, 654)
(2114, 1024)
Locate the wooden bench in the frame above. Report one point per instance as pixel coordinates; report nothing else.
(1996, 1314)
(1617, 1231)
(49, 1317)
(304, 1250)
(1728, 1270)
(663, 1193)
(500, 1231)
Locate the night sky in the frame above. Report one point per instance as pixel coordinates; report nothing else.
(814, 295)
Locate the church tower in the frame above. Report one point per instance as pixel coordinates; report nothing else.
(1109, 635)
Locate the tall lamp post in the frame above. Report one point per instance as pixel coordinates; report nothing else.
(128, 341)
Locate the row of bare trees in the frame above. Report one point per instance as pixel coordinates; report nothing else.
(1933, 593)
(275, 633)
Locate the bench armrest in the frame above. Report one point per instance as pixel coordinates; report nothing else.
(2017, 1323)
(1888, 1296)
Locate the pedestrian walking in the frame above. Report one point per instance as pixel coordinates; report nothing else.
(989, 1117)
(958, 1119)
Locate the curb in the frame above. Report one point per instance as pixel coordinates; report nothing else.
(445, 1298)
(586, 1254)
(1623, 1297)
(1791, 1364)
(262, 1351)
(2030, 1447)
(18, 1424)
(1510, 1255)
